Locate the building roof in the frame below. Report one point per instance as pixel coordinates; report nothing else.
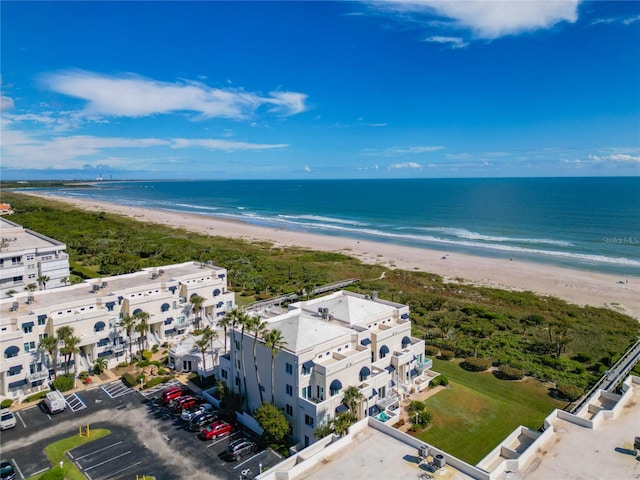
(353, 309)
(17, 239)
(302, 331)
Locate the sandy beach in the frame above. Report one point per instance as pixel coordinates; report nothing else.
(575, 286)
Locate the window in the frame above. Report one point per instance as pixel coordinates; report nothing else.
(304, 392)
(308, 420)
(305, 370)
(289, 390)
(237, 381)
(237, 345)
(289, 368)
(225, 375)
(42, 320)
(289, 410)
(28, 329)
(29, 346)
(43, 335)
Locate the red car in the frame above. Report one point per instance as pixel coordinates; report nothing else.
(171, 394)
(184, 403)
(216, 429)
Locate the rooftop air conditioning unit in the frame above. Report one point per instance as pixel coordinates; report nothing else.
(324, 312)
(423, 451)
(439, 461)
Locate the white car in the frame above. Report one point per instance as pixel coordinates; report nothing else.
(187, 415)
(7, 419)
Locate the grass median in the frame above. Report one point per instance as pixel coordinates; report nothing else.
(56, 453)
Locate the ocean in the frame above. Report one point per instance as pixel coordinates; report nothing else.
(585, 223)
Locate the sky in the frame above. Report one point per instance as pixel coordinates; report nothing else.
(319, 90)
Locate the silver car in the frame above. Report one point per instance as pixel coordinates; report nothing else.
(7, 419)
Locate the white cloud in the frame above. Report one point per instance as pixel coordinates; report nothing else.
(307, 168)
(404, 165)
(453, 42)
(6, 103)
(395, 151)
(617, 158)
(134, 96)
(489, 19)
(227, 145)
(616, 20)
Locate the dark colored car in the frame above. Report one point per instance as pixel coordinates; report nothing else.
(215, 430)
(198, 422)
(241, 448)
(7, 472)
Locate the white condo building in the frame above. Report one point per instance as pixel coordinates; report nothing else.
(331, 343)
(94, 309)
(27, 256)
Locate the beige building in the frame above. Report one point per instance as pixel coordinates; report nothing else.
(94, 309)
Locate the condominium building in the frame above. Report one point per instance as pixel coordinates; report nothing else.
(94, 309)
(329, 344)
(27, 257)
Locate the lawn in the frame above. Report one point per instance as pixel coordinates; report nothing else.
(477, 411)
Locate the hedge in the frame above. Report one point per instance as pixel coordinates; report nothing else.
(476, 364)
(431, 350)
(6, 403)
(444, 381)
(568, 392)
(36, 396)
(510, 373)
(156, 381)
(446, 354)
(129, 379)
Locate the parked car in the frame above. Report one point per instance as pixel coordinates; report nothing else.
(184, 403)
(55, 402)
(187, 415)
(197, 423)
(172, 393)
(7, 472)
(240, 448)
(7, 419)
(215, 430)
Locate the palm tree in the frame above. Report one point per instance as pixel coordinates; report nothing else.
(129, 324)
(273, 341)
(210, 336)
(142, 327)
(71, 343)
(196, 302)
(352, 399)
(232, 318)
(31, 288)
(42, 280)
(99, 365)
(342, 423)
(201, 344)
(225, 322)
(244, 321)
(64, 280)
(50, 345)
(63, 333)
(258, 328)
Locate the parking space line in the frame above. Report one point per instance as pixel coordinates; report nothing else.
(116, 389)
(107, 461)
(75, 402)
(248, 459)
(113, 474)
(158, 388)
(96, 451)
(21, 420)
(13, 460)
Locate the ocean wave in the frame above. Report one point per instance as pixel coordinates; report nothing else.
(197, 207)
(320, 218)
(463, 233)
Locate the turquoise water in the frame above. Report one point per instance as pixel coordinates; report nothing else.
(586, 223)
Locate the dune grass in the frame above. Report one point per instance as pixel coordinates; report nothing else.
(477, 411)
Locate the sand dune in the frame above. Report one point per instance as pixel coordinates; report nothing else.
(575, 286)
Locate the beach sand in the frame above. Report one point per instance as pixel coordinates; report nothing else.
(575, 286)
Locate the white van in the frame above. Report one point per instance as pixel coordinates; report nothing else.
(55, 402)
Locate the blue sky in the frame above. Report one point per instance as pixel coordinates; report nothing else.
(394, 89)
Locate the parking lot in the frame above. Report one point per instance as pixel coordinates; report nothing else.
(146, 439)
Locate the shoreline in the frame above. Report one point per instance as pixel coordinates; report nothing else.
(574, 286)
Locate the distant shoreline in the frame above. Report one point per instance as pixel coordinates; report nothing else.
(574, 286)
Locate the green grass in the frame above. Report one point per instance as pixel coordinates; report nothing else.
(477, 411)
(56, 453)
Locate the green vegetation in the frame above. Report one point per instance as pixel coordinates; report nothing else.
(56, 453)
(544, 337)
(36, 396)
(273, 422)
(477, 411)
(6, 403)
(63, 383)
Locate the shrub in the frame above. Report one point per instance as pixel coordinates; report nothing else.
(435, 382)
(162, 371)
(508, 372)
(143, 364)
(146, 355)
(6, 403)
(446, 354)
(155, 381)
(155, 349)
(431, 350)
(36, 396)
(444, 381)
(476, 364)
(82, 375)
(63, 383)
(122, 365)
(568, 392)
(129, 379)
(155, 362)
(583, 358)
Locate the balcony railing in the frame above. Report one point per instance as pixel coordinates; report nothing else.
(34, 377)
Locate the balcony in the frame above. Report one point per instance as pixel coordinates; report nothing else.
(34, 377)
(404, 357)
